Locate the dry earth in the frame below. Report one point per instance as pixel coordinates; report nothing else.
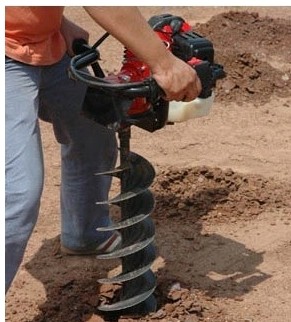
(222, 189)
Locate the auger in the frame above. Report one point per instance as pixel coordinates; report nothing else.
(132, 97)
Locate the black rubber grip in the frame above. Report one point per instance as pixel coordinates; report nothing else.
(79, 46)
(204, 72)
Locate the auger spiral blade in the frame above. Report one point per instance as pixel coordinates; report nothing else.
(137, 178)
(114, 172)
(133, 293)
(139, 208)
(137, 251)
(135, 238)
(140, 263)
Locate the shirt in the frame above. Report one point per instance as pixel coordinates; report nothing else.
(33, 36)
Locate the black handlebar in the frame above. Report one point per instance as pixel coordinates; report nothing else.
(89, 56)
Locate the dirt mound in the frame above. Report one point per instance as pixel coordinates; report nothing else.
(250, 77)
(255, 33)
(226, 195)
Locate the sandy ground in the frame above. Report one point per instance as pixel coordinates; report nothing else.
(222, 188)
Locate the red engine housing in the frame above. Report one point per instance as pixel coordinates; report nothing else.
(134, 70)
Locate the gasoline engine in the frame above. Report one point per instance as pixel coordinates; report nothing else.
(132, 97)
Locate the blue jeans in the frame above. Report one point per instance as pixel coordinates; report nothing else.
(86, 148)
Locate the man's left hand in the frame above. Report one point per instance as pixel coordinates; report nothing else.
(70, 32)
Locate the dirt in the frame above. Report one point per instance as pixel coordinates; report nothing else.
(246, 53)
(222, 190)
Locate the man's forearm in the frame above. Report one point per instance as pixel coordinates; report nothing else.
(178, 80)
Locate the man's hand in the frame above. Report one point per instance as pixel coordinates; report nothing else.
(71, 31)
(178, 79)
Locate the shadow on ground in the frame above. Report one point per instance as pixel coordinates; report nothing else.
(214, 265)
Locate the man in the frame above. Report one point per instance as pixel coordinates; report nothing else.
(38, 46)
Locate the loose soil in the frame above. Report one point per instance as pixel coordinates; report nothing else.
(222, 190)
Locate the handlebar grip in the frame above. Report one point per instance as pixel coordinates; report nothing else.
(208, 75)
(204, 72)
(79, 46)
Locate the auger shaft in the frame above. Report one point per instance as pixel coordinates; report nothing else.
(124, 135)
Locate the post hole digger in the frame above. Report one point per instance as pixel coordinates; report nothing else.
(132, 97)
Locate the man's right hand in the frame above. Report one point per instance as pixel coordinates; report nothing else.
(178, 79)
